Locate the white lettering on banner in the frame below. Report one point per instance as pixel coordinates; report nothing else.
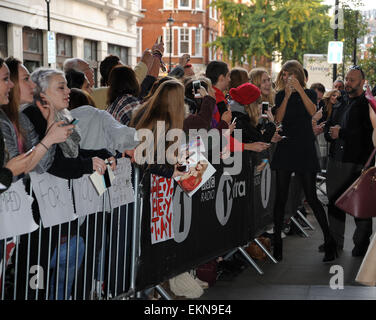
(161, 224)
(206, 193)
(16, 217)
(87, 200)
(223, 201)
(266, 181)
(227, 191)
(182, 209)
(121, 191)
(54, 199)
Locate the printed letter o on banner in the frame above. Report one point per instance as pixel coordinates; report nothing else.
(266, 179)
(223, 201)
(181, 199)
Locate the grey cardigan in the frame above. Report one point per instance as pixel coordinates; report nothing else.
(99, 129)
(31, 139)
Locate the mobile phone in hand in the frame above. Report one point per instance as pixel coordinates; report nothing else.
(196, 87)
(265, 107)
(30, 151)
(74, 121)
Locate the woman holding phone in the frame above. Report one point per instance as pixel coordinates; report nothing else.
(295, 106)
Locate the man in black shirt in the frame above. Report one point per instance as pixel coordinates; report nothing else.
(349, 131)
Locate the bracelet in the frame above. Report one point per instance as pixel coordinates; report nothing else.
(43, 145)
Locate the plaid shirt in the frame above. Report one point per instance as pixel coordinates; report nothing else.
(121, 109)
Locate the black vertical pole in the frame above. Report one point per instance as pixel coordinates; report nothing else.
(355, 38)
(48, 14)
(170, 46)
(335, 36)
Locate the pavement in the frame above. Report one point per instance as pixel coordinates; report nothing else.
(301, 275)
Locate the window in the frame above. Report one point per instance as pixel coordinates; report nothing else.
(3, 40)
(184, 4)
(198, 42)
(212, 11)
(32, 48)
(139, 42)
(210, 48)
(169, 45)
(90, 55)
(121, 52)
(63, 49)
(184, 41)
(168, 4)
(199, 4)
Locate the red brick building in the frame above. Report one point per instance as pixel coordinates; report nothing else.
(195, 24)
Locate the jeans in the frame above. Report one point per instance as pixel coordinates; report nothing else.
(62, 267)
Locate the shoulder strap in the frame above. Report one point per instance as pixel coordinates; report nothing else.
(370, 159)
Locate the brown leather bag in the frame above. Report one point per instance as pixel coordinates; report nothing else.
(359, 199)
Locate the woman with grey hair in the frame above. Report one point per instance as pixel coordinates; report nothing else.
(51, 99)
(50, 103)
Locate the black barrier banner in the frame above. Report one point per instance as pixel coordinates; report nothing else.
(192, 231)
(263, 192)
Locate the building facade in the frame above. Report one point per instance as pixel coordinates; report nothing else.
(87, 29)
(195, 24)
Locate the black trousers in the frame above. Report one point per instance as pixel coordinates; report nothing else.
(308, 182)
(340, 175)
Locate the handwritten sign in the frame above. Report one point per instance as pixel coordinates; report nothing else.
(54, 199)
(121, 191)
(16, 217)
(86, 199)
(161, 193)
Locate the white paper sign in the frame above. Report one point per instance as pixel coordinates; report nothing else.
(121, 191)
(16, 217)
(54, 199)
(86, 199)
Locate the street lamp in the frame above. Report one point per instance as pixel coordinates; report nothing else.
(48, 14)
(170, 22)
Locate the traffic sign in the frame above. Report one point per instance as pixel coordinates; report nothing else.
(335, 52)
(51, 47)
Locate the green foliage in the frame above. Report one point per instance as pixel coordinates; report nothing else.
(291, 27)
(368, 65)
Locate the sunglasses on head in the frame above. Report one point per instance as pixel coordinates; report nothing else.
(358, 68)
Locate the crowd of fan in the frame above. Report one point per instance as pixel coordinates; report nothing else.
(37, 111)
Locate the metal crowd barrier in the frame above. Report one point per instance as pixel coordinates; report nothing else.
(98, 257)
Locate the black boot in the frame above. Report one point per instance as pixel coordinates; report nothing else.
(277, 247)
(330, 249)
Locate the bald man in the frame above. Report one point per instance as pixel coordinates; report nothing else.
(78, 64)
(349, 131)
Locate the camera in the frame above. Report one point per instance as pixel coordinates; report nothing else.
(196, 87)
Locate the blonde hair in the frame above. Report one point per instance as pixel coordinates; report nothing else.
(253, 111)
(326, 98)
(292, 67)
(255, 77)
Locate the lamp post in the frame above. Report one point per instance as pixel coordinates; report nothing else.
(170, 22)
(48, 14)
(335, 36)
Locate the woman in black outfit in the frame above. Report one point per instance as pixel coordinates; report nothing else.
(295, 106)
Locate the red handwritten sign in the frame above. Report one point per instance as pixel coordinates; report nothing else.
(161, 193)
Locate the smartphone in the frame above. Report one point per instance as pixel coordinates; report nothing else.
(196, 87)
(265, 107)
(30, 151)
(160, 39)
(74, 121)
(233, 121)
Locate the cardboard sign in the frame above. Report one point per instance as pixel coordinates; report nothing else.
(16, 217)
(54, 199)
(121, 191)
(161, 193)
(86, 198)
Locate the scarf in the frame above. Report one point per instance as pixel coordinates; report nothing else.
(70, 147)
